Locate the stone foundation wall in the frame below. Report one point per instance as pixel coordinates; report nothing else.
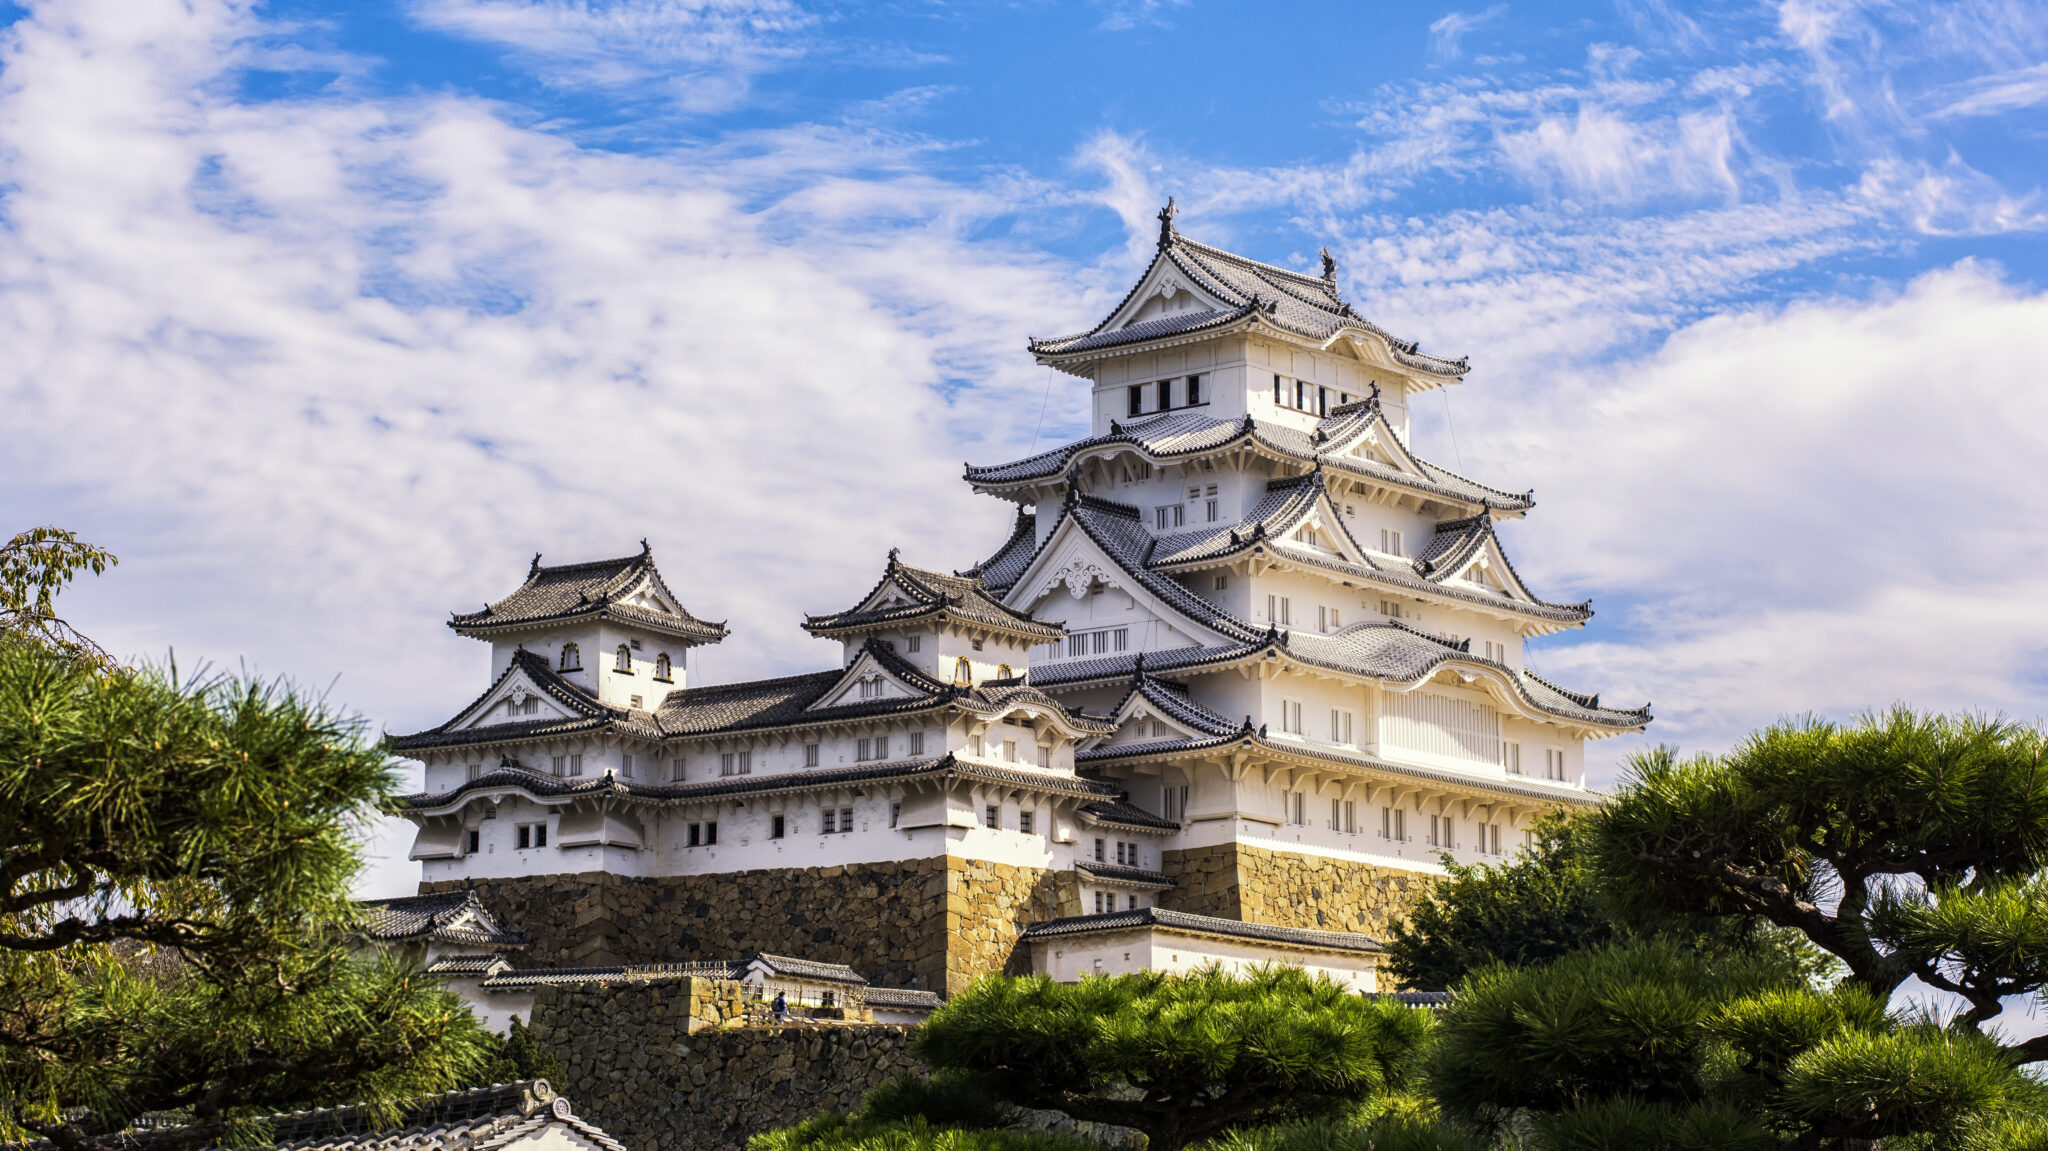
(930, 923)
(1260, 885)
(631, 1064)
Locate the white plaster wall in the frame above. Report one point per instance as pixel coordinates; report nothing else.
(1071, 959)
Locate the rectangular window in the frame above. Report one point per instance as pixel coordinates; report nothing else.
(1044, 756)
(1401, 824)
(916, 743)
(1350, 817)
(1211, 508)
(1435, 831)
(1279, 391)
(1336, 815)
(474, 837)
(810, 755)
(914, 643)
(540, 835)
(626, 766)
(1386, 823)
(1340, 726)
(777, 827)
(675, 770)
(1194, 390)
(1136, 392)
(1301, 809)
(1273, 609)
(895, 813)
(881, 747)
(560, 765)
(1286, 611)
(1322, 401)
(1098, 903)
(1165, 394)
(1098, 851)
(1511, 757)
(476, 771)
(1009, 751)
(845, 820)
(1120, 853)
(1024, 822)
(1222, 582)
(576, 765)
(1390, 542)
(862, 749)
(736, 763)
(1290, 717)
(1553, 763)
(524, 837)
(992, 816)
(828, 824)
(974, 745)
(711, 834)
(696, 835)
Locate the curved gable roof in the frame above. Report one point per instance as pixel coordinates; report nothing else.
(593, 589)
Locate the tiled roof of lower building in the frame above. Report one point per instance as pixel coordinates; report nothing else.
(625, 973)
(481, 1119)
(457, 917)
(1124, 876)
(598, 588)
(810, 969)
(1202, 924)
(544, 787)
(906, 997)
(1127, 815)
(906, 595)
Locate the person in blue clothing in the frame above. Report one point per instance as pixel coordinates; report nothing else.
(780, 1006)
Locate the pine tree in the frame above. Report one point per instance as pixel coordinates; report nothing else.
(175, 860)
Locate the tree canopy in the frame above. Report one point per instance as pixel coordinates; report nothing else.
(1180, 1058)
(175, 861)
(1906, 846)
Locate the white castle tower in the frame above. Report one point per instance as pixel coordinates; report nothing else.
(1244, 667)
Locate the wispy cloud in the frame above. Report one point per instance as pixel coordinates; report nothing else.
(702, 52)
(1124, 15)
(1446, 31)
(1995, 94)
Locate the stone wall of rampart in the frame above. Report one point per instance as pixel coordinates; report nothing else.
(1260, 885)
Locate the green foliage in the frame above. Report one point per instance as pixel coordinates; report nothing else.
(34, 567)
(517, 1057)
(1533, 909)
(175, 859)
(1903, 845)
(1180, 1058)
(948, 1098)
(831, 1132)
(1388, 1132)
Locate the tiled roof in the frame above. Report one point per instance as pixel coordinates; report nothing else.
(588, 590)
(904, 997)
(443, 917)
(542, 787)
(1177, 435)
(1124, 814)
(1542, 792)
(1173, 701)
(626, 973)
(928, 595)
(1307, 306)
(1000, 571)
(811, 969)
(586, 713)
(482, 1119)
(469, 964)
(1124, 876)
(1201, 924)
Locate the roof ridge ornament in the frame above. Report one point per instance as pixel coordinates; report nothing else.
(1166, 215)
(646, 549)
(533, 568)
(1329, 265)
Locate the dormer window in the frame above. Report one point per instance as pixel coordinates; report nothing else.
(622, 661)
(661, 668)
(1003, 671)
(963, 673)
(572, 660)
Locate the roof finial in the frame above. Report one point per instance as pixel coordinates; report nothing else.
(892, 557)
(534, 567)
(1166, 216)
(644, 549)
(1329, 265)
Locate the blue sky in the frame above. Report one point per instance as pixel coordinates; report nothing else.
(326, 316)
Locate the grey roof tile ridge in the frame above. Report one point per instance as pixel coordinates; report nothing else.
(1020, 533)
(1149, 578)
(545, 677)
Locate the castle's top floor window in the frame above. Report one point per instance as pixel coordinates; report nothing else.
(623, 660)
(662, 668)
(572, 660)
(963, 672)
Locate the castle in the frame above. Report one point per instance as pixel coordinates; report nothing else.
(1245, 665)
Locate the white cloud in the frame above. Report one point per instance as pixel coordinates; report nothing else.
(1124, 15)
(1829, 506)
(1447, 30)
(1995, 94)
(701, 52)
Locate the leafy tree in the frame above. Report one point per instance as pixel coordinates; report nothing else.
(34, 567)
(175, 859)
(1539, 906)
(1180, 1058)
(832, 1132)
(1653, 1044)
(519, 1057)
(1903, 845)
(1549, 901)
